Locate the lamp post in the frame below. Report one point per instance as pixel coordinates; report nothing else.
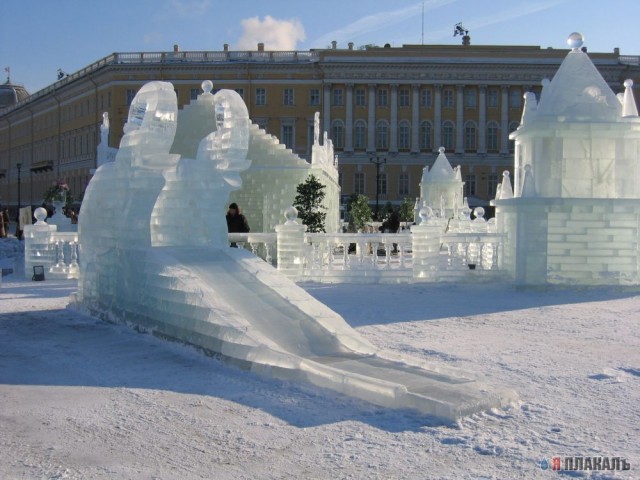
(18, 230)
(377, 161)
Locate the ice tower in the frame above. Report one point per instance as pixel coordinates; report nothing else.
(442, 186)
(155, 255)
(575, 217)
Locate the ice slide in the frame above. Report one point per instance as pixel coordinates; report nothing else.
(154, 253)
(229, 302)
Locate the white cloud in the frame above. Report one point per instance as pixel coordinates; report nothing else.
(275, 34)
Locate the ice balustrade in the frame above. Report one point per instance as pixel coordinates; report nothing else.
(460, 245)
(57, 252)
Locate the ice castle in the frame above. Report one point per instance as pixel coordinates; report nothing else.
(575, 215)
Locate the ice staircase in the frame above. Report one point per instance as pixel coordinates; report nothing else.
(196, 295)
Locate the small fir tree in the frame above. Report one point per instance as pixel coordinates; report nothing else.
(359, 212)
(308, 202)
(406, 210)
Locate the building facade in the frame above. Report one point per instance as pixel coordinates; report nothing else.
(387, 110)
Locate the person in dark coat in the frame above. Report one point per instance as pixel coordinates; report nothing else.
(236, 221)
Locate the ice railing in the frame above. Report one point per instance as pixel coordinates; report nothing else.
(56, 252)
(455, 250)
(437, 249)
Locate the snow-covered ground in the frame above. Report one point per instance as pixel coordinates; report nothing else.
(80, 398)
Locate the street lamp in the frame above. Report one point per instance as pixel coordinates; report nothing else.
(19, 166)
(377, 162)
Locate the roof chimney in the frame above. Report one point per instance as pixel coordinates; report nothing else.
(350, 45)
(261, 47)
(334, 44)
(226, 47)
(176, 48)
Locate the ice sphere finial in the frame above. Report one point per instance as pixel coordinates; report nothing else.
(207, 86)
(41, 215)
(478, 212)
(291, 214)
(575, 40)
(441, 149)
(425, 213)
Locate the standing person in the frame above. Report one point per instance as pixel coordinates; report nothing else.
(236, 221)
(4, 222)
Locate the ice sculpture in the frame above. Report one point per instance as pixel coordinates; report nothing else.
(575, 218)
(155, 255)
(442, 187)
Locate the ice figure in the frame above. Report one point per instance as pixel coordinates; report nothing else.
(575, 212)
(154, 252)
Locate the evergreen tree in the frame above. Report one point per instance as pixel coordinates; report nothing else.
(308, 202)
(406, 210)
(359, 212)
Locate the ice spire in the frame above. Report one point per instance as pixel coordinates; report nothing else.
(530, 107)
(629, 107)
(506, 191)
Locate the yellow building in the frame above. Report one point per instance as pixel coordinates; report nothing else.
(390, 106)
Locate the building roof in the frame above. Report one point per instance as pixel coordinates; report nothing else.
(10, 94)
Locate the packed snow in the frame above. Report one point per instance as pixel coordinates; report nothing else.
(82, 398)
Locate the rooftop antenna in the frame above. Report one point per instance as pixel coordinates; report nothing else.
(422, 38)
(460, 30)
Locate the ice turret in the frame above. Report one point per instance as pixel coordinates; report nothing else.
(441, 185)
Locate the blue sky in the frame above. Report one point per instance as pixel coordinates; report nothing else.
(37, 37)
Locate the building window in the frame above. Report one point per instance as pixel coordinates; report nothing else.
(382, 183)
(426, 100)
(261, 122)
(314, 97)
(287, 97)
(492, 185)
(340, 179)
(425, 136)
(240, 91)
(358, 183)
(261, 96)
(470, 136)
(360, 135)
(382, 135)
(383, 97)
(469, 185)
(131, 93)
(404, 135)
(338, 97)
(492, 137)
(361, 98)
(194, 93)
(492, 97)
(515, 98)
(448, 98)
(403, 184)
(470, 98)
(288, 135)
(337, 134)
(403, 97)
(448, 135)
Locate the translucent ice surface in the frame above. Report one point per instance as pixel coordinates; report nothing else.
(155, 254)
